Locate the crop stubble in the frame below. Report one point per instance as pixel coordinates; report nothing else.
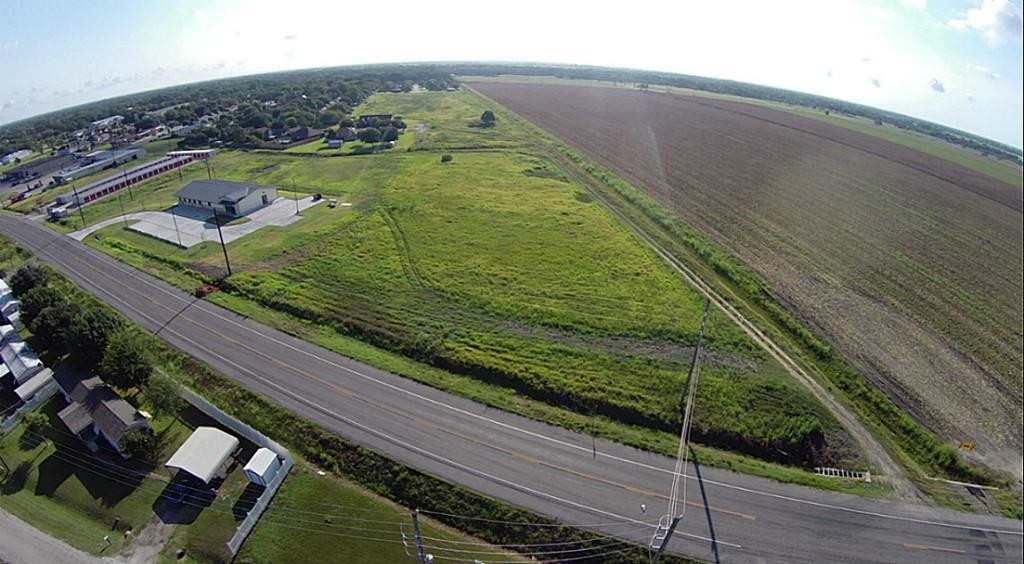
(909, 263)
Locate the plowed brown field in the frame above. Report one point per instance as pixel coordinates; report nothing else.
(911, 264)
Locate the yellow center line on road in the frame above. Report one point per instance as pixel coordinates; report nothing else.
(419, 421)
(935, 548)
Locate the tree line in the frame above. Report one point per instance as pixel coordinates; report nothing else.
(96, 339)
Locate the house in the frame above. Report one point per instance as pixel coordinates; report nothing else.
(95, 411)
(106, 122)
(370, 120)
(39, 387)
(226, 197)
(12, 157)
(8, 334)
(9, 304)
(346, 134)
(20, 363)
(264, 133)
(301, 133)
(183, 130)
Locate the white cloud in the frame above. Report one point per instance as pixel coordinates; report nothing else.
(882, 14)
(985, 71)
(916, 4)
(998, 21)
(937, 86)
(876, 83)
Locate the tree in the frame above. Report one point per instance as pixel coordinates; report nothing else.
(488, 117)
(141, 443)
(125, 362)
(389, 134)
(35, 422)
(89, 334)
(37, 299)
(52, 327)
(369, 135)
(163, 396)
(28, 277)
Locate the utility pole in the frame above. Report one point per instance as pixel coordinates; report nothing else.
(121, 203)
(420, 557)
(209, 173)
(79, 202)
(127, 184)
(216, 219)
(664, 531)
(174, 218)
(296, 197)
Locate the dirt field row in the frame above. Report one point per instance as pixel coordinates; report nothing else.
(911, 264)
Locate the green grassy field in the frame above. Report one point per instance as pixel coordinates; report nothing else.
(317, 517)
(497, 269)
(1002, 170)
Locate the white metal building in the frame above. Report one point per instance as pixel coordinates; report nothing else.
(226, 197)
(203, 453)
(263, 465)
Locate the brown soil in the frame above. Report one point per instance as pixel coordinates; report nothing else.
(909, 263)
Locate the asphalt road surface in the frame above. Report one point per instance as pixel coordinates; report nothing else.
(595, 484)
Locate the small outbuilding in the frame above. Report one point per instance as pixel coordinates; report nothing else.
(204, 453)
(263, 465)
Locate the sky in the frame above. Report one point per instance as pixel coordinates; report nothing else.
(955, 62)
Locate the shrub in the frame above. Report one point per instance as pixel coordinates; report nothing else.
(446, 158)
(141, 444)
(35, 422)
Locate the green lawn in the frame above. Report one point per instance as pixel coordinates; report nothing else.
(58, 486)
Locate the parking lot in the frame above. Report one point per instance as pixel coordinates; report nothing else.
(189, 226)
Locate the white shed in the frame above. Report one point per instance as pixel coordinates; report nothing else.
(203, 453)
(262, 466)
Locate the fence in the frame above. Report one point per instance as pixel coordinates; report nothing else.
(247, 524)
(40, 397)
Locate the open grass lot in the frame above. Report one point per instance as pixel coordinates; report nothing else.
(996, 168)
(498, 269)
(909, 263)
(321, 518)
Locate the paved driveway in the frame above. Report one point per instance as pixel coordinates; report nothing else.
(187, 226)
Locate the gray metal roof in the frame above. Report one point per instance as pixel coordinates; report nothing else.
(218, 190)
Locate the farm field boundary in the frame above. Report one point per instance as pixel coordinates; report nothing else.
(806, 353)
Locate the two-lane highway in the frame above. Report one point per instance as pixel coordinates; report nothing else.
(731, 517)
